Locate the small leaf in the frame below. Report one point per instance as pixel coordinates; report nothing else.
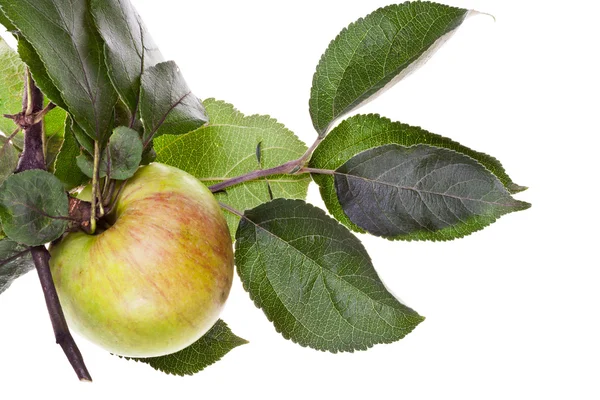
(129, 48)
(167, 104)
(207, 350)
(12, 73)
(33, 207)
(314, 280)
(363, 132)
(125, 148)
(375, 51)
(226, 147)
(64, 165)
(73, 58)
(420, 192)
(15, 261)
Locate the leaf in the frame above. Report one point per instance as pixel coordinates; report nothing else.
(125, 148)
(15, 261)
(363, 132)
(12, 72)
(54, 131)
(39, 72)
(63, 35)
(33, 207)
(129, 49)
(207, 350)
(314, 280)
(66, 159)
(9, 157)
(167, 105)
(375, 52)
(226, 148)
(420, 192)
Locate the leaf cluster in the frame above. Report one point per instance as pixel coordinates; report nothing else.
(120, 104)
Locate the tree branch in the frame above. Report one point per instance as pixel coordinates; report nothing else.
(33, 158)
(41, 259)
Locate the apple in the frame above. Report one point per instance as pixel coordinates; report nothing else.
(155, 280)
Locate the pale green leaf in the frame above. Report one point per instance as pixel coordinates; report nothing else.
(226, 148)
(54, 131)
(9, 156)
(314, 280)
(12, 73)
(375, 52)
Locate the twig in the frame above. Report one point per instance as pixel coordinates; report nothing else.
(33, 158)
(41, 259)
(261, 173)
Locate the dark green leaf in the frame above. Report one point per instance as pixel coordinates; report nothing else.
(12, 73)
(33, 207)
(65, 163)
(207, 350)
(167, 105)
(315, 280)
(129, 49)
(39, 72)
(83, 140)
(375, 52)
(63, 35)
(15, 261)
(226, 147)
(125, 149)
(363, 132)
(420, 192)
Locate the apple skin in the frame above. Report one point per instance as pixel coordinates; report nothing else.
(156, 280)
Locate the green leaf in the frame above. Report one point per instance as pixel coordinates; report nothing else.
(125, 148)
(15, 261)
(65, 163)
(9, 157)
(375, 52)
(167, 105)
(12, 73)
(129, 48)
(363, 132)
(314, 280)
(54, 131)
(420, 193)
(207, 350)
(39, 72)
(33, 207)
(63, 35)
(226, 147)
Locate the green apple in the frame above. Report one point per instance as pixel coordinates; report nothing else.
(156, 280)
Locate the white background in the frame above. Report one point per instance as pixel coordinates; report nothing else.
(512, 311)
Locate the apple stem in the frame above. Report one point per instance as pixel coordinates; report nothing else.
(33, 158)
